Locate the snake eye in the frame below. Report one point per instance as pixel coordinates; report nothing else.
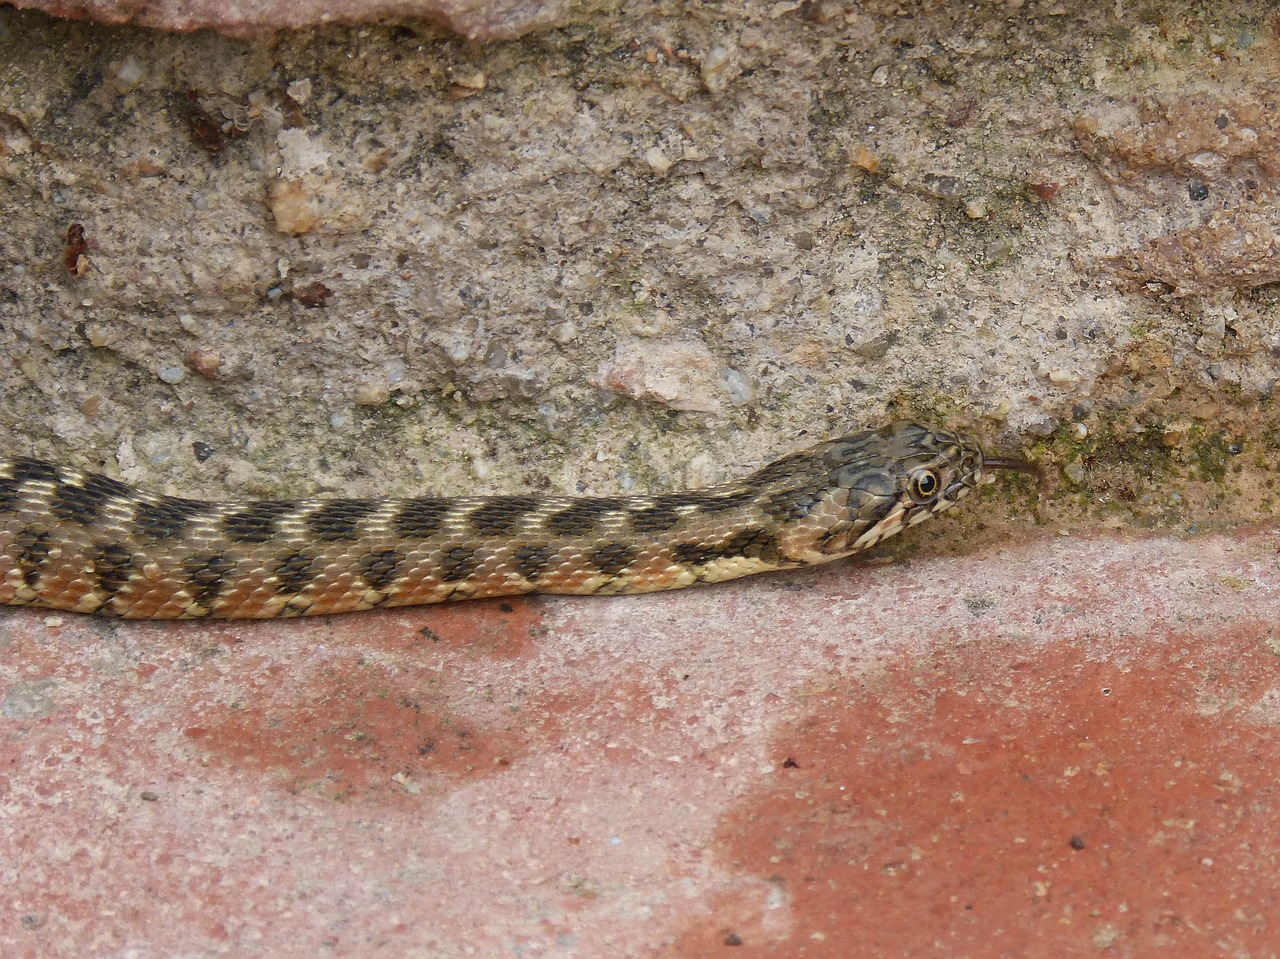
(924, 486)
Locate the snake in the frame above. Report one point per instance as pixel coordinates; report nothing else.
(83, 542)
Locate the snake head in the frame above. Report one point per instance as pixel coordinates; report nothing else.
(882, 481)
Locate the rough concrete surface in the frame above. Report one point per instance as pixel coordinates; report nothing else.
(653, 248)
(649, 249)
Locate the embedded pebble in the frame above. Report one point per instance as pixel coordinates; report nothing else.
(466, 82)
(207, 363)
(657, 160)
(97, 334)
(871, 347)
(299, 90)
(1074, 471)
(865, 159)
(977, 208)
(158, 451)
(372, 394)
(172, 374)
(739, 387)
(999, 249)
(1063, 377)
(129, 72)
(300, 154)
(496, 356)
(1042, 426)
(457, 352)
(316, 204)
(942, 187)
(677, 375)
(715, 68)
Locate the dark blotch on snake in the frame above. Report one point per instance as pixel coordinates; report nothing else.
(32, 550)
(458, 563)
(83, 504)
(711, 502)
(35, 471)
(105, 487)
(112, 567)
(653, 519)
(206, 576)
(166, 519)
(9, 495)
(613, 558)
(532, 560)
(294, 573)
(257, 522)
(501, 515)
(74, 504)
(338, 521)
(378, 568)
(580, 518)
(421, 518)
(751, 543)
(792, 504)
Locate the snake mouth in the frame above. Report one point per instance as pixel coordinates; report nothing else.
(1012, 464)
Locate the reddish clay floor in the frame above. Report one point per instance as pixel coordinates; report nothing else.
(1067, 747)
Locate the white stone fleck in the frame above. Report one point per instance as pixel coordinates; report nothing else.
(300, 90)
(715, 68)
(739, 387)
(657, 160)
(130, 71)
(300, 154)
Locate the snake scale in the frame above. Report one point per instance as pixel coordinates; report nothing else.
(82, 542)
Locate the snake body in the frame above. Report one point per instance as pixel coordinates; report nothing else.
(78, 541)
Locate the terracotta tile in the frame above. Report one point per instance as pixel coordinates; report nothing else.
(1066, 744)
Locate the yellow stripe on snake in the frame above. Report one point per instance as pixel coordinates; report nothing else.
(81, 542)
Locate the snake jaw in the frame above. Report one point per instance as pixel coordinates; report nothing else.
(892, 524)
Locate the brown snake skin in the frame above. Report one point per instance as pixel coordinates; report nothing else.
(81, 542)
